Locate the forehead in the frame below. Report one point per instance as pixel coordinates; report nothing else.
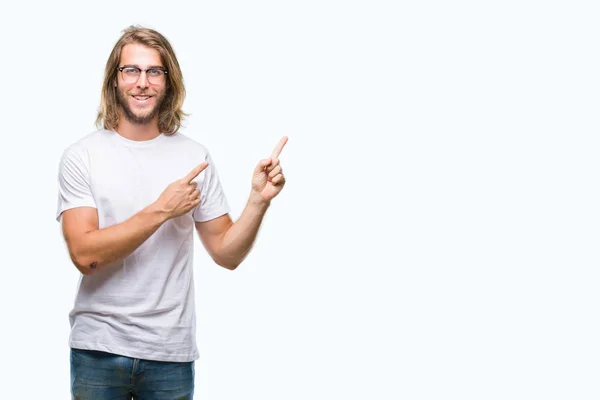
(140, 55)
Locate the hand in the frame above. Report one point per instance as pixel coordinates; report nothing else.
(268, 179)
(182, 195)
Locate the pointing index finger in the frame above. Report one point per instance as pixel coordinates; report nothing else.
(195, 172)
(279, 147)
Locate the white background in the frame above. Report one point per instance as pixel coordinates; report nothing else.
(438, 235)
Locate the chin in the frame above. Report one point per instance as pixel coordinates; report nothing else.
(144, 117)
(138, 118)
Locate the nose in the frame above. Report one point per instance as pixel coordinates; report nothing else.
(142, 81)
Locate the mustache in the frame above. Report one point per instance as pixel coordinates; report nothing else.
(142, 93)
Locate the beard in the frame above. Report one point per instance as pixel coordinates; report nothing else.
(139, 119)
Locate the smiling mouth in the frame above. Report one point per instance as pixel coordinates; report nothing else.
(141, 98)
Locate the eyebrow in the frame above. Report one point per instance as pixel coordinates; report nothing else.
(137, 66)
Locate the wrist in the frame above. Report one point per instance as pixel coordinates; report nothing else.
(256, 200)
(158, 215)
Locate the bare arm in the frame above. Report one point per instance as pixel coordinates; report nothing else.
(91, 248)
(229, 243)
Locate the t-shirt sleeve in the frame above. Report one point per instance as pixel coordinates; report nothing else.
(74, 188)
(213, 202)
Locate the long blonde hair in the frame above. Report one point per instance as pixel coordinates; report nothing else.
(170, 115)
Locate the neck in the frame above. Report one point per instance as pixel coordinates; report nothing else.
(137, 132)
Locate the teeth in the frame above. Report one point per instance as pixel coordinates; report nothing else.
(141, 97)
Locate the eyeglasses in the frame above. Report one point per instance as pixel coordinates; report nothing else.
(132, 74)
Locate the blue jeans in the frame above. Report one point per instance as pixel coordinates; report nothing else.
(96, 375)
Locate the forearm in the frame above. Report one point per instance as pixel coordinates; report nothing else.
(241, 235)
(102, 247)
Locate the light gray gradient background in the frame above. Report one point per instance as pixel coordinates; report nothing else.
(438, 235)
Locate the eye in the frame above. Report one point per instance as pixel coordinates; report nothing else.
(154, 72)
(130, 71)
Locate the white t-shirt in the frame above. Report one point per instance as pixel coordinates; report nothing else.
(143, 305)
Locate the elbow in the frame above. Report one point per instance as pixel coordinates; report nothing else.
(226, 260)
(83, 264)
(80, 260)
(228, 265)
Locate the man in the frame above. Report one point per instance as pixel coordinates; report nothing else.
(130, 195)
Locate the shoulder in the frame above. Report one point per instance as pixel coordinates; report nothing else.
(75, 158)
(82, 147)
